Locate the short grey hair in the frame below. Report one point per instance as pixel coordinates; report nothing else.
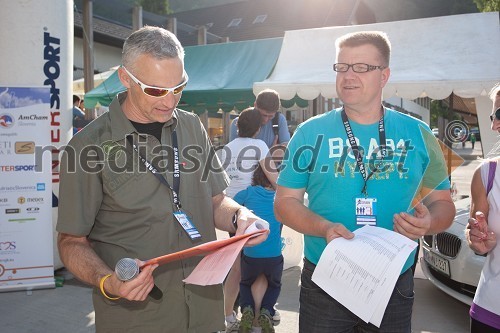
(495, 92)
(154, 41)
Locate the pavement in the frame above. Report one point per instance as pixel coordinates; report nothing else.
(69, 308)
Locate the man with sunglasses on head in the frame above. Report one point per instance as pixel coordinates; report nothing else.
(142, 181)
(362, 164)
(274, 127)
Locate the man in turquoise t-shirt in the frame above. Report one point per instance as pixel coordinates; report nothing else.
(362, 164)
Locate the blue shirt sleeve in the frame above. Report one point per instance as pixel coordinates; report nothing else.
(284, 134)
(233, 133)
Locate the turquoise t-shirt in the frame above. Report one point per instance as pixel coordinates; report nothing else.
(319, 159)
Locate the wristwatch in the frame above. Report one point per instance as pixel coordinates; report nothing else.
(235, 219)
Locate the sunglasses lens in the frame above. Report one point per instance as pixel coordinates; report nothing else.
(155, 92)
(497, 114)
(178, 90)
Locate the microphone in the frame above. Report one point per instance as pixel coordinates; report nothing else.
(127, 269)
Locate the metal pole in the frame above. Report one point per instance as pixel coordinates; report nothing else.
(137, 18)
(88, 46)
(172, 25)
(202, 35)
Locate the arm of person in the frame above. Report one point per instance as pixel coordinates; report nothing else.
(79, 258)
(233, 133)
(283, 133)
(224, 210)
(479, 237)
(431, 216)
(270, 170)
(290, 210)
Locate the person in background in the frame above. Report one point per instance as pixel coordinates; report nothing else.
(78, 115)
(482, 231)
(274, 127)
(265, 258)
(357, 152)
(239, 158)
(81, 105)
(473, 139)
(128, 205)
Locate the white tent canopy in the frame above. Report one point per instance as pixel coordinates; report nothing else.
(79, 85)
(430, 57)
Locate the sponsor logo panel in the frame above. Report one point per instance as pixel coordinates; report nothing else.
(6, 148)
(25, 147)
(17, 168)
(6, 120)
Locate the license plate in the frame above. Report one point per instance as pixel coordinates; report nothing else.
(440, 264)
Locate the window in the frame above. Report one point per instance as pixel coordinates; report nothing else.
(260, 19)
(234, 22)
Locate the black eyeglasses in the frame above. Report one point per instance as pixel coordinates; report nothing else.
(356, 68)
(496, 116)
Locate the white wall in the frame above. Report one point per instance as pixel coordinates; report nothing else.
(105, 57)
(412, 107)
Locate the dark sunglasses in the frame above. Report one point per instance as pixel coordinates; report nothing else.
(496, 116)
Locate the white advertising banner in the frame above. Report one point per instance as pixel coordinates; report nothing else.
(37, 50)
(26, 240)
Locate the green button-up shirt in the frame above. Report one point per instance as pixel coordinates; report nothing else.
(108, 195)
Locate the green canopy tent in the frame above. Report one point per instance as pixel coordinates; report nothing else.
(221, 76)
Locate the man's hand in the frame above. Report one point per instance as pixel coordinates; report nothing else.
(337, 230)
(414, 226)
(245, 219)
(136, 289)
(479, 237)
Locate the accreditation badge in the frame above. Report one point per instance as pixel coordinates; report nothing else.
(366, 211)
(187, 225)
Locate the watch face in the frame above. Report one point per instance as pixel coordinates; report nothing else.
(235, 220)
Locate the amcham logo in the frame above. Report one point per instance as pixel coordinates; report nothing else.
(6, 120)
(25, 147)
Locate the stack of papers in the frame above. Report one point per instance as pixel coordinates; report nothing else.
(361, 272)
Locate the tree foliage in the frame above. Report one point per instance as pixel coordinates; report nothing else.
(160, 7)
(488, 5)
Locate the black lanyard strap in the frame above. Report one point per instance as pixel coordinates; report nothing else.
(355, 147)
(154, 170)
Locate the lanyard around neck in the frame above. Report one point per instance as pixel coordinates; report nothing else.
(355, 147)
(154, 170)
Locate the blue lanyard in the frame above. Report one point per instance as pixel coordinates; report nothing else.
(154, 170)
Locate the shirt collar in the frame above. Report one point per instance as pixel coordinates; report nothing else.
(121, 126)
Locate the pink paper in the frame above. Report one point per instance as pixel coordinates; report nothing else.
(214, 267)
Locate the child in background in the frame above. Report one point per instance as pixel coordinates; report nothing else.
(265, 258)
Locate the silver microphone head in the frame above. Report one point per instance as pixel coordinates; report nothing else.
(126, 269)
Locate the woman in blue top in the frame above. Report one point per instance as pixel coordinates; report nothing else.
(265, 258)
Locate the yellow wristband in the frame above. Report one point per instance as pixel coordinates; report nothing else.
(101, 285)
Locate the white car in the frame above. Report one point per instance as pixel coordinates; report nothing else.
(448, 262)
